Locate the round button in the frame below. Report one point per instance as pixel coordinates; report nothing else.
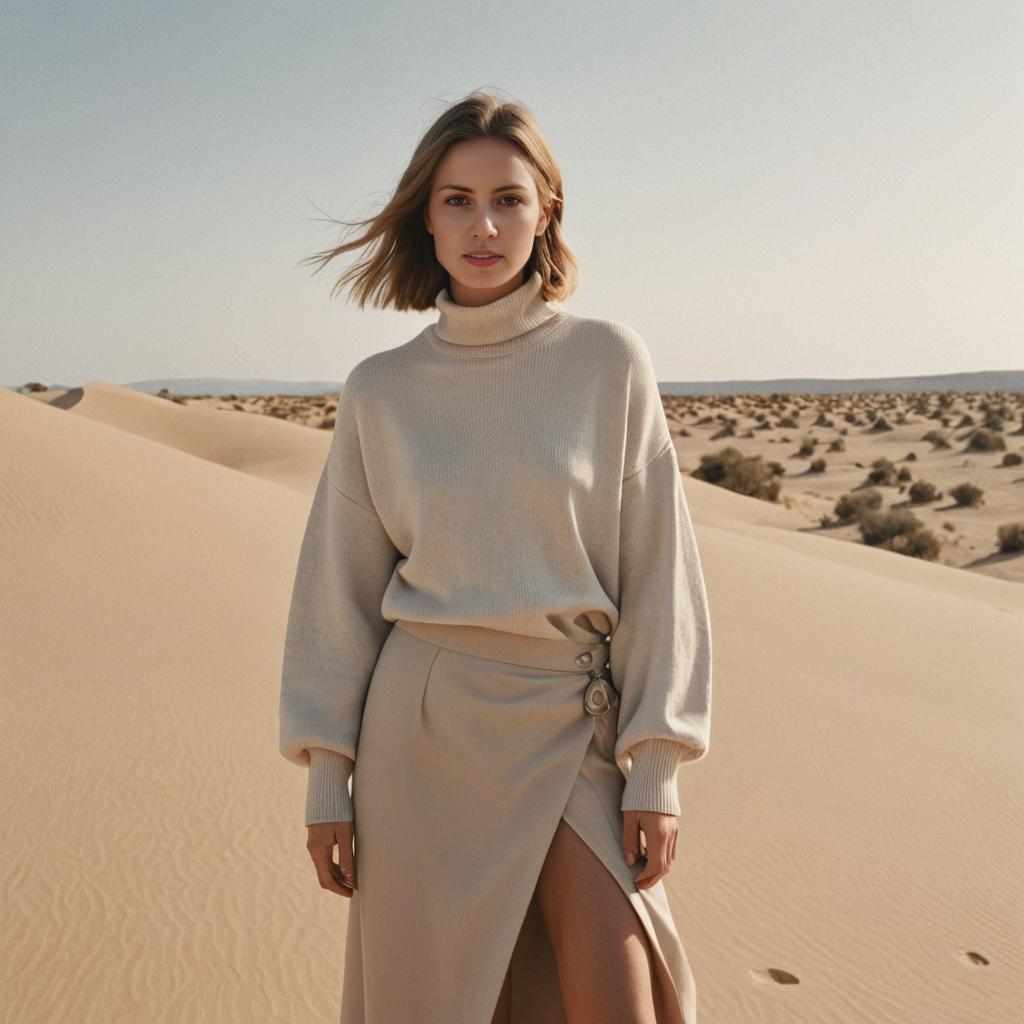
(584, 659)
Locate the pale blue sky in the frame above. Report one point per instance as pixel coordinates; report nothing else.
(762, 189)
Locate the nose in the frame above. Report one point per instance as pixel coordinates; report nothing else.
(484, 228)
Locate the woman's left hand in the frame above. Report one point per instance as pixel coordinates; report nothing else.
(660, 833)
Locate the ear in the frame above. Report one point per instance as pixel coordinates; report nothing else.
(543, 224)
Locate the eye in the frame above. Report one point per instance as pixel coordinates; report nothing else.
(516, 201)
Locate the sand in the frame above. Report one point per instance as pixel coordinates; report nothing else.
(850, 848)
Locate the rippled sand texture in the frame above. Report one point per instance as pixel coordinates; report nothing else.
(849, 849)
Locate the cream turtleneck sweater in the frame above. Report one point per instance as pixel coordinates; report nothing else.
(509, 467)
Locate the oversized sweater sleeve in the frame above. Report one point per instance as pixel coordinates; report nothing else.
(335, 628)
(660, 653)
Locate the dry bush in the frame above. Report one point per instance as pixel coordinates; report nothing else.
(985, 440)
(855, 504)
(1010, 537)
(922, 491)
(966, 494)
(882, 472)
(900, 531)
(937, 438)
(744, 474)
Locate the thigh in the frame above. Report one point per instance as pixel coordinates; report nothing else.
(503, 1009)
(601, 948)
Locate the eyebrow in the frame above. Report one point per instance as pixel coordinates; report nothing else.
(500, 188)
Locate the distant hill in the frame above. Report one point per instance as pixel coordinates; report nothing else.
(220, 386)
(986, 380)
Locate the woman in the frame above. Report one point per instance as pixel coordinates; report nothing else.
(499, 629)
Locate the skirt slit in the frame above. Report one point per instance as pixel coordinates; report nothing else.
(474, 745)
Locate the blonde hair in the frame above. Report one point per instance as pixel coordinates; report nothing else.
(402, 269)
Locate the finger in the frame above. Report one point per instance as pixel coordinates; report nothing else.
(631, 836)
(651, 875)
(321, 851)
(327, 875)
(346, 860)
(658, 860)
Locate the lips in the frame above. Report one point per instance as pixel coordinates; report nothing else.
(482, 258)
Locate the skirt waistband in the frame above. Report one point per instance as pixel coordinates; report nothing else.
(512, 648)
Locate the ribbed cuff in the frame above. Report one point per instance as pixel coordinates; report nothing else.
(651, 785)
(327, 795)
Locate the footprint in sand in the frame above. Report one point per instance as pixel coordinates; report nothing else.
(777, 975)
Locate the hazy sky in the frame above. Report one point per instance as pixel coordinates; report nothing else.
(762, 189)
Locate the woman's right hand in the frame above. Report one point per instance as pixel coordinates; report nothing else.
(321, 839)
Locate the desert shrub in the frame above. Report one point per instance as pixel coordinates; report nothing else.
(882, 472)
(744, 474)
(880, 424)
(806, 449)
(984, 440)
(937, 438)
(878, 526)
(1011, 537)
(1012, 459)
(966, 494)
(904, 474)
(837, 445)
(922, 491)
(856, 503)
(899, 530)
(920, 543)
(817, 466)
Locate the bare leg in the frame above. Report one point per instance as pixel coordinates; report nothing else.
(503, 1011)
(601, 948)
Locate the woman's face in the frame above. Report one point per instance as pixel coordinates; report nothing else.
(483, 197)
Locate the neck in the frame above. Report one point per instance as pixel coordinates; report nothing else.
(513, 315)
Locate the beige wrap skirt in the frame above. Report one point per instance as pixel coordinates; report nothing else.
(474, 744)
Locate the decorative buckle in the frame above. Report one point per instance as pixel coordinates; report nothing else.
(597, 700)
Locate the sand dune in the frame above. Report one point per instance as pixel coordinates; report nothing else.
(262, 446)
(849, 849)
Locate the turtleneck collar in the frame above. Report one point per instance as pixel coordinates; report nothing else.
(497, 322)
